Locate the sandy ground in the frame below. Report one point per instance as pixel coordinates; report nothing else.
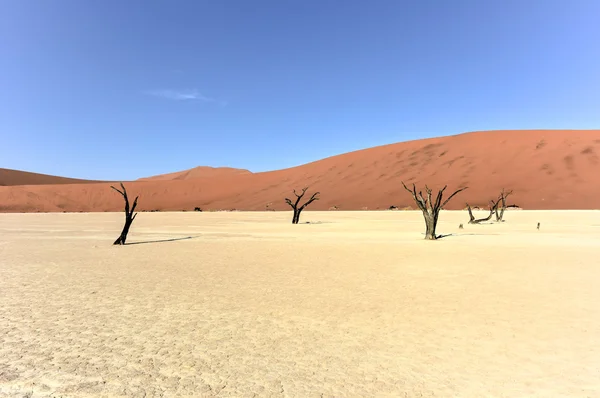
(353, 304)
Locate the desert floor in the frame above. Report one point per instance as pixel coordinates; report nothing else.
(352, 304)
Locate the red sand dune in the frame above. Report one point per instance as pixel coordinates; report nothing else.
(547, 169)
(15, 177)
(197, 172)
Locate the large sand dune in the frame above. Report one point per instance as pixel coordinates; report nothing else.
(246, 304)
(546, 170)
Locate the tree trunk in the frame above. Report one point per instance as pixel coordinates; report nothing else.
(121, 239)
(129, 216)
(296, 216)
(471, 216)
(502, 199)
(500, 214)
(431, 224)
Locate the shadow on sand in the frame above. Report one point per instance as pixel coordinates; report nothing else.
(460, 234)
(160, 240)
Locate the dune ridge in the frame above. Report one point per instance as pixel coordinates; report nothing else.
(197, 172)
(547, 169)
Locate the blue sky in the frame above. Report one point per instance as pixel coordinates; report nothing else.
(125, 89)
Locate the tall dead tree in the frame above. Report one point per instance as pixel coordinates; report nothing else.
(294, 205)
(502, 205)
(129, 216)
(493, 208)
(431, 209)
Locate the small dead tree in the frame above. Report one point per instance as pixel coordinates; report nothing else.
(502, 201)
(294, 205)
(430, 209)
(129, 216)
(493, 208)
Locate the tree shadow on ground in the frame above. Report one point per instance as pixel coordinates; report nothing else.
(160, 240)
(456, 235)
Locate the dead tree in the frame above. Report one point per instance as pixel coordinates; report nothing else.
(129, 216)
(493, 208)
(294, 205)
(430, 209)
(501, 199)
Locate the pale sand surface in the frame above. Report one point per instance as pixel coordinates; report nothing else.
(357, 305)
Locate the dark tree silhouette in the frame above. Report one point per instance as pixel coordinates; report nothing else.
(430, 209)
(129, 216)
(294, 205)
(502, 199)
(493, 208)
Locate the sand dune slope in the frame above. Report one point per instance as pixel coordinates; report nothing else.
(16, 177)
(546, 169)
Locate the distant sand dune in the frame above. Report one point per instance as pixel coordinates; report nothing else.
(197, 172)
(546, 170)
(15, 177)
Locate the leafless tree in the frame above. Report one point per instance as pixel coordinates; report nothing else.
(298, 209)
(493, 208)
(501, 204)
(129, 216)
(431, 209)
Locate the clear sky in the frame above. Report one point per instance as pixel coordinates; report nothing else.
(117, 89)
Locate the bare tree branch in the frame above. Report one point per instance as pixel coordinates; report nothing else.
(472, 219)
(451, 196)
(302, 194)
(418, 198)
(134, 204)
(122, 193)
(428, 195)
(312, 199)
(438, 200)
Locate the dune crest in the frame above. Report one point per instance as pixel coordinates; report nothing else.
(197, 172)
